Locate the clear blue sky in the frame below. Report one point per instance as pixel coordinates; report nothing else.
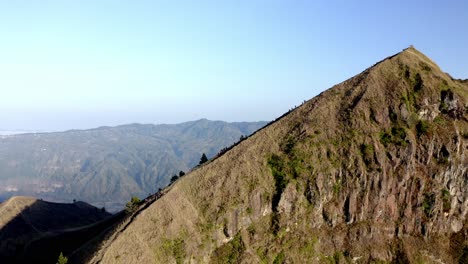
(82, 64)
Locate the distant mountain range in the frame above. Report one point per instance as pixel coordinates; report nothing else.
(107, 165)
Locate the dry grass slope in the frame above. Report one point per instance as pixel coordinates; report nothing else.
(372, 170)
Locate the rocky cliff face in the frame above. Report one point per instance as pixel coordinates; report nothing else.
(371, 170)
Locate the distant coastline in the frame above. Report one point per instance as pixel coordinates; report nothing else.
(19, 131)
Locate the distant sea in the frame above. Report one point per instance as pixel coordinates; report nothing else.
(17, 132)
(3, 198)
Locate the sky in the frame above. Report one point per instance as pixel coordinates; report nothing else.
(83, 64)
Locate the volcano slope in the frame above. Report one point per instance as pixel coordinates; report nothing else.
(372, 170)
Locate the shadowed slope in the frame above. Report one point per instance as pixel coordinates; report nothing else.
(373, 169)
(24, 220)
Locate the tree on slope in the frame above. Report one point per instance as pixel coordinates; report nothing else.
(203, 159)
(133, 204)
(62, 259)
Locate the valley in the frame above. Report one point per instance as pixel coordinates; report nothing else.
(107, 165)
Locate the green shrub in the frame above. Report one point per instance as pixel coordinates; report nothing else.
(397, 136)
(444, 95)
(385, 138)
(277, 167)
(176, 248)
(422, 128)
(398, 132)
(279, 259)
(230, 252)
(367, 152)
(440, 120)
(417, 83)
(251, 230)
(425, 67)
(445, 196)
(62, 259)
(465, 135)
(428, 204)
(443, 107)
(337, 187)
(133, 204)
(406, 72)
(288, 145)
(393, 116)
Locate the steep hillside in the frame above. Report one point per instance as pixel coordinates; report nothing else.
(24, 220)
(371, 170)
(105, 166)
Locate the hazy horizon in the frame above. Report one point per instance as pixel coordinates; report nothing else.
(17, 131)
(78, 65)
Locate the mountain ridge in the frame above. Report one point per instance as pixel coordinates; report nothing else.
(361, 172)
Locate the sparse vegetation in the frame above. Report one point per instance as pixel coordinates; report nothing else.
(422, 128)
(444, 155)
(385, 138)
(425, 67)
(230, 252)
(445, 196)
(251, 230)
(392, 115)
(409, 99)
(288, 145)
(444, 95)
(337, 187)
(308, 248)
(465, 135)
(175, 248)
(406, 72)
(280, 258)
(397, 136)
(439, 120)
(443, 107)
(367, 153)
(417, 83)
(276, 165)
(428, 204)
